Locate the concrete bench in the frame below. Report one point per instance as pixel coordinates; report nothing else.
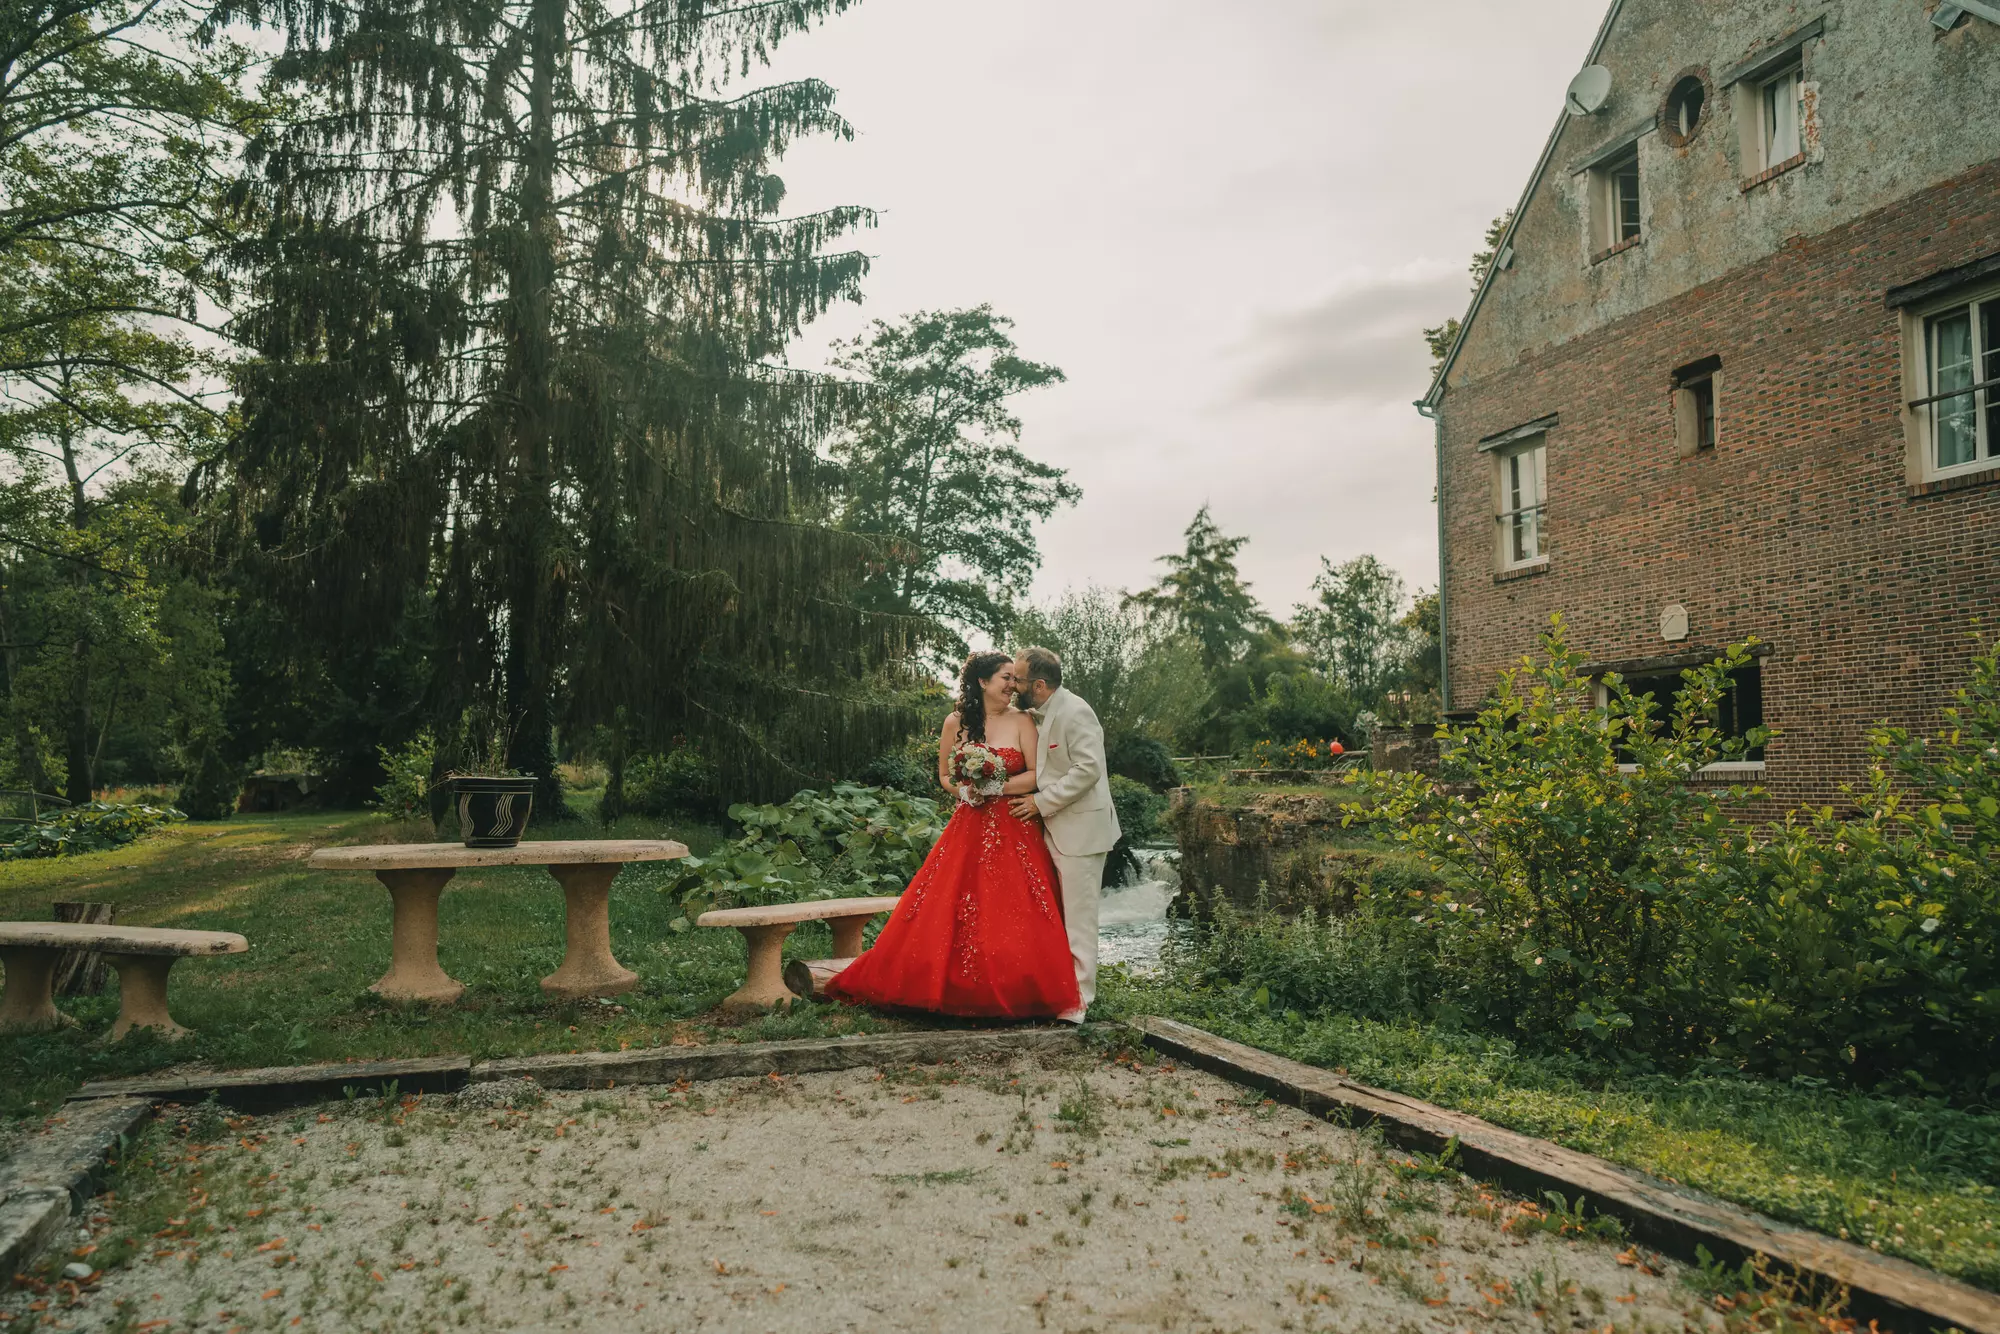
(764, 931)
(142, 956)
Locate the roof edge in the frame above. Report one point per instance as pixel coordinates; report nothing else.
(1436, 391)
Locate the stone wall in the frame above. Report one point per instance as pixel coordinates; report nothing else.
(1287, 850)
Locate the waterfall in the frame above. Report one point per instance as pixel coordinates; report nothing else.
(1132, 920)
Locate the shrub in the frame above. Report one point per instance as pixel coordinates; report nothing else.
(1301, 754)
(681, 782)
(405, 793)
(845, 842)
(1578, 857)
(1143, 759)
(90, 828)
(1862, 949)
(1141, 819)
(906, 770)
(1376, 968)
(212, 786)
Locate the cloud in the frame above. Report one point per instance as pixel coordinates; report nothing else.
(1364, 343)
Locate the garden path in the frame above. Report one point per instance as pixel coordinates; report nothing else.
(1067, 1192)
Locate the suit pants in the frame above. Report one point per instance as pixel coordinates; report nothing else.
(1082, 884)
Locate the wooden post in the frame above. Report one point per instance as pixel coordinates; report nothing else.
(82, 972)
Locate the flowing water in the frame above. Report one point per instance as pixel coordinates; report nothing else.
(1132, 922)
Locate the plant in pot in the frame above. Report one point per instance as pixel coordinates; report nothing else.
(493, 807)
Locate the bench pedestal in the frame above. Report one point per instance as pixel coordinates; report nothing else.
(142, 994)
(414, 974)
(588, 967)
(764, 988)
(28, 1004)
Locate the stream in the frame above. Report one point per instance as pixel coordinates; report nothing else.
(1132, 921)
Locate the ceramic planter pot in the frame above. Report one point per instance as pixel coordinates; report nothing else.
(493, 812)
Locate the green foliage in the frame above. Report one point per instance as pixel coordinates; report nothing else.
(521, 286)
(1371, 966)
(89, 828)
(1202, 595)
(846, 842)
(405, 793)
(1143, 759)
(212, 788)
(1141, 820)
(1576, 848)
(1301, 754)
(681, 782)
(1142, 678)
(934, 468)
(1861, 948)
(1353, 630)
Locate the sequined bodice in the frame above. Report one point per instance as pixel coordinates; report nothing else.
(1017, 761)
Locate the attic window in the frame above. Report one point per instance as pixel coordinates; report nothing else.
(1687, 104)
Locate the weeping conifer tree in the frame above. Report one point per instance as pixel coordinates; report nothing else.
(521, 272)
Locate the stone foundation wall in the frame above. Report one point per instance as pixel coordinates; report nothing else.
(1283, 848)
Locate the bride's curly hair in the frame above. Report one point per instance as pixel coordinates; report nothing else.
(979, 669)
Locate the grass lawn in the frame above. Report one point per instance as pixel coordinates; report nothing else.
(318, 939)
(1909, 1177)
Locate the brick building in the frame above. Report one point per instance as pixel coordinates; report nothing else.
(1735, 371)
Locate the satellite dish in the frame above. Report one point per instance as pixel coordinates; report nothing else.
(1588, 90)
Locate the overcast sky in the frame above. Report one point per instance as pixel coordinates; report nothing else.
(1227, 223)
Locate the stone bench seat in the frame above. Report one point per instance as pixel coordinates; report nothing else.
(142, 955)
(764, 930)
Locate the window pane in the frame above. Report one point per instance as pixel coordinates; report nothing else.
(1955, 420)
(1625, 187)
(1782, 113)
(1989, 343)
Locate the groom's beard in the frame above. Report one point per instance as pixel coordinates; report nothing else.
(1024, 701)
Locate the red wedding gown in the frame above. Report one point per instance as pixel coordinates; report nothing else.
(979, 932)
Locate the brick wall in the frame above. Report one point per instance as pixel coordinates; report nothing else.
(1800, 527)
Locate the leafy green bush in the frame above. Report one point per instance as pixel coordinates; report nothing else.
(681, 782)
(1301, 754)
(1375, 967)
(405, 793)
(1577, 856)
(1142, 816)
(911, 770)
(90, 828)
(1143, 760)
(1863, 948)
(212, 786)
(846, 842)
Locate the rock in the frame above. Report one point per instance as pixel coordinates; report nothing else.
(78, 1270)
(501, 1093)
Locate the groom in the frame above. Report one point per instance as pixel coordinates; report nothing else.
(1073, 799)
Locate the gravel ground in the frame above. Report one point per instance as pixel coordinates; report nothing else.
(1073, 1193)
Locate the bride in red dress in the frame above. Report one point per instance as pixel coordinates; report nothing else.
(979, 932)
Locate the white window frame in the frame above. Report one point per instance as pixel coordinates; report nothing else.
(1931, 404)
(1781, 115)
(1610, 201)
(1512, 517)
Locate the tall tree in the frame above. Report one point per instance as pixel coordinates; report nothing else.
(1203, 596)
(1352, 631)
(117, 118)
(524, 276)
(935, 469)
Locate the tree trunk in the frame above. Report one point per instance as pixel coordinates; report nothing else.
(81, 972)
(536, 591)
(76, 713)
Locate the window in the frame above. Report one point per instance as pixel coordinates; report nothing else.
(1618, 200)
(1781, 113)
(1740, 710)
(1523, 476)
(1962, 385)
(1695, 421)
(1685, 105)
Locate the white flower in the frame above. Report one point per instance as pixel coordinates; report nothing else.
(1930, 924)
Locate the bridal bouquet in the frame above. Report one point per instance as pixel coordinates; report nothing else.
(980, 773)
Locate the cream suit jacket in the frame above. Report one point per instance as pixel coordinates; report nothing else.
(1073, 786)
